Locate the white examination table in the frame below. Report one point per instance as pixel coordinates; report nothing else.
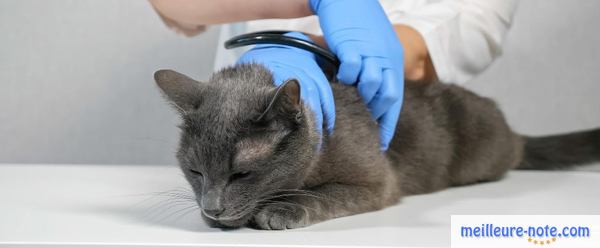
(114, 206)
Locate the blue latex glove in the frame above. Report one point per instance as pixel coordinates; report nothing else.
(287, 62)
(371, 55)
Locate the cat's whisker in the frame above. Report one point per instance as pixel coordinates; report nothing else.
(317, 195)
(153, 194)
(273, 204)
(188, 208)
(290, 204)
(299, 192)
(178, 192)
(191, 210)
(184, 189)
(244, 210)
(170, 199)
(157, 212)
(157, 204)
(169, 193)
(178, 196)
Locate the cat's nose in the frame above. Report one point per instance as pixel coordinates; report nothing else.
(213, 212)
(211, 203)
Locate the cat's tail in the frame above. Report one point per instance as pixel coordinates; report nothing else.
(561, 151)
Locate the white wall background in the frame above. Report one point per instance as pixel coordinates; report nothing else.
(76, 77)
(77, 81)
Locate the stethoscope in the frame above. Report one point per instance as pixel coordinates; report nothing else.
(278, 37)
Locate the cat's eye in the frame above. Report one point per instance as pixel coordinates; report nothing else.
(195, 172)
(239, 175)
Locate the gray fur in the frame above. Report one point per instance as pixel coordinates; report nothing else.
(268, 173)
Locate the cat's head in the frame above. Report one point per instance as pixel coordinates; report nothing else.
(242, 139)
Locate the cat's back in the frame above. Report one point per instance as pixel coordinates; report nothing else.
(448, 135)
(353, 120)
(351, 154)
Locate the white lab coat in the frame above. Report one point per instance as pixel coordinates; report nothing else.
(463, 36)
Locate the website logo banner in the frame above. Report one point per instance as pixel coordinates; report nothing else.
(529, 231)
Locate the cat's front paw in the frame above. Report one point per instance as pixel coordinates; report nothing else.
(281, 216)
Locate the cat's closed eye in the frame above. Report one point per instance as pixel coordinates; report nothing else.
(195, 172)
(239, 175)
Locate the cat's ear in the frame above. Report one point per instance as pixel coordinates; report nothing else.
(183, 92)
(285, 98)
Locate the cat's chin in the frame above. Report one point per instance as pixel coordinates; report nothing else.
(227, 223)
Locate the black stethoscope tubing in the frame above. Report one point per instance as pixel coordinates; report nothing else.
(278, 37)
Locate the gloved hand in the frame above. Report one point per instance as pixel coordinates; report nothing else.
(287, 62)
(371, 55)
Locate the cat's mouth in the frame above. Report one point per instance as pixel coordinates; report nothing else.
(233, 216)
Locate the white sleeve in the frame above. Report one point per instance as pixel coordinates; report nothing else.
(463, 36)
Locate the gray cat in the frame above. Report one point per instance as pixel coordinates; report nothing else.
(250, 149)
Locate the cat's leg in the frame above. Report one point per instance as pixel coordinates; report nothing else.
(306, 207)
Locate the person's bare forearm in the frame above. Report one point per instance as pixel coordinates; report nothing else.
(417, 62)
(192, 13)
(207, 12)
